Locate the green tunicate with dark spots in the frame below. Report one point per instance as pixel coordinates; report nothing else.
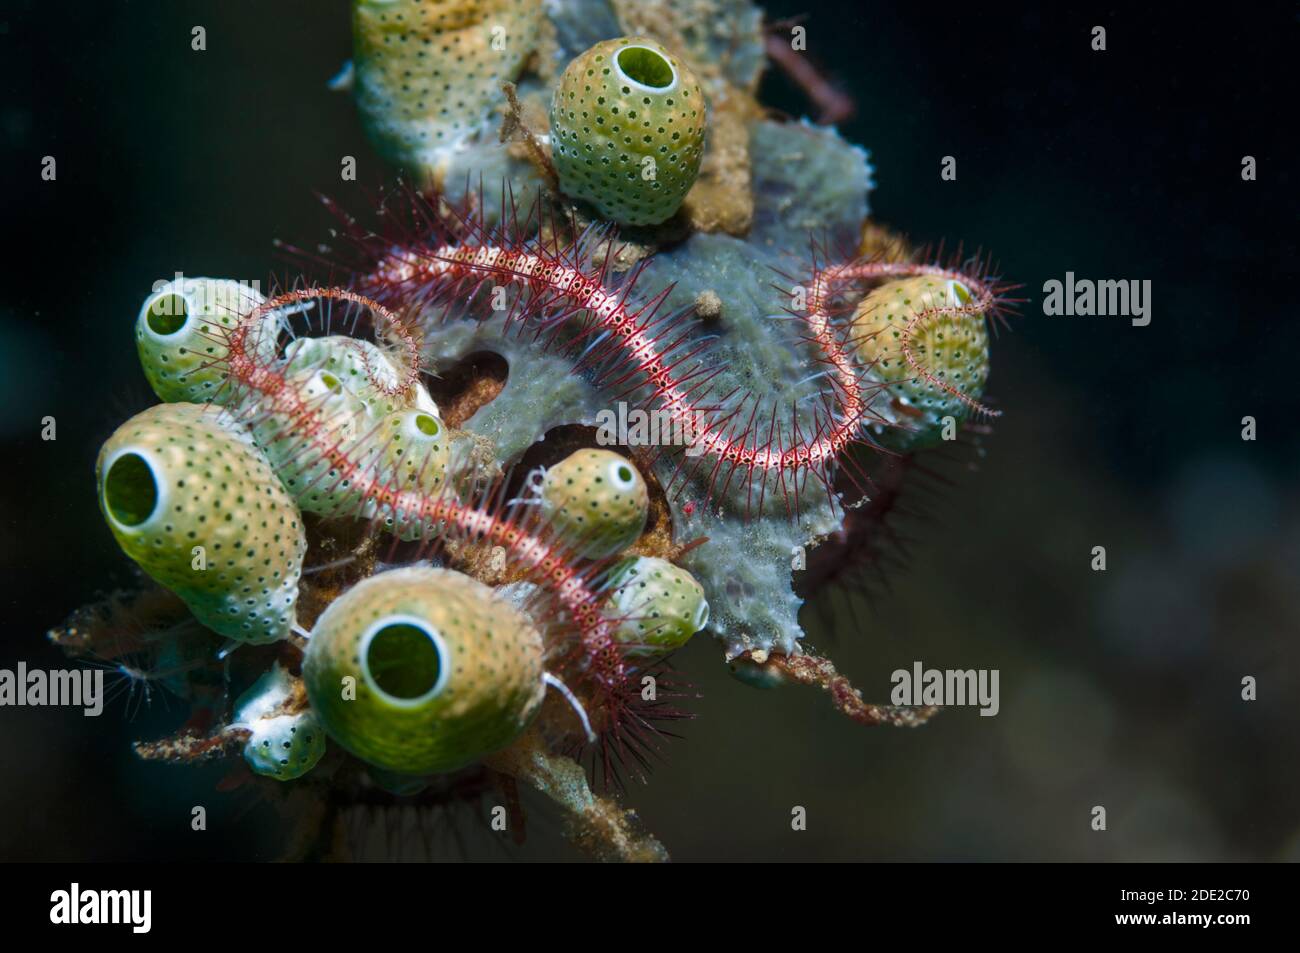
(388, 433)
(951, 344)
(427, 73)
(285, 740)
(421, 671)
(180, 333)
(597, 501)
(659, 605)
(192, 499)
(627, 130)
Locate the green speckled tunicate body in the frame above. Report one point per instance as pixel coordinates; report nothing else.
(397, 437)
(284, 742)
(192, 500)
(422, 671)
(627, 130)
(429, 71)
(287, 747)
(413, 451)
(661, 604)
(952, 347)
(363, 369)
(179, 334)
(596, 500)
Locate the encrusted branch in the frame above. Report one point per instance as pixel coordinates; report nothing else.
(821, 673)
(189, 746)
(515, 128)
(599, 825)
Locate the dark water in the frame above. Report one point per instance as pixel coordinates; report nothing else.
(1118, 688)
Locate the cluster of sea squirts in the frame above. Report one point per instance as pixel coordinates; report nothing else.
(643, 116)
(417, 670)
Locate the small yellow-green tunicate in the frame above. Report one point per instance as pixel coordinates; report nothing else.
(597, 501)
(627, 130)
(422, 671)
(412, 449)
(428, 72)
(180, 333)
(284, 741)
(192, 499)
(397, 438)
(953, 347)
(660, 605)
(362, 368)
